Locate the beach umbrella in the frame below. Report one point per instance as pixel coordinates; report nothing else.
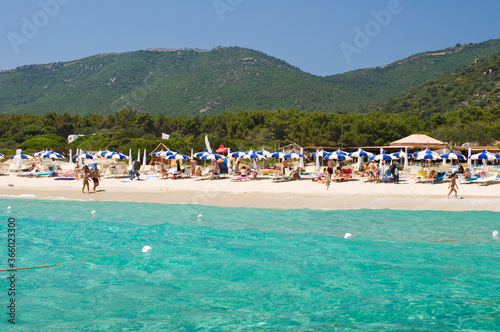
(338, 155)
(83, 155)
(253, 155)
(360, 153)
(212, 156)
(238, 154)
(1, 156)
(20, 156)
(278, 154)
(164, 154)
(453, 156)
(222, 149)
(39, 153)
(321, 153)
(263, 152)
(382, 156)
(177, 156)
(201, 154)
(98, 154)
(402, 154)
(428, 155)
(485, 155)
(293, 155)
(116, 156)
(144, 159)
(52, 155)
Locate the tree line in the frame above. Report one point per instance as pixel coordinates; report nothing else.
(129, 129)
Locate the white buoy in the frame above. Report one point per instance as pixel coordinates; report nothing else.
(147, 249)
(8, 207)
(495, 233)
(93, 211)
(200, 217)
(347, 235)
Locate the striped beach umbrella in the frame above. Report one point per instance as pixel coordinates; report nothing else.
(264, 153)
(402, 154)
(428, 155)
(84, 155)
(382, 156)
(453, 156)
(360, 153)
(485, 155)
(212, 156)
(177, 156)
(293, 155)
(201, 154)
(52, 155)
(238, 154)
(116, 156)
(338, 155)
(278, 154)
(19, 156)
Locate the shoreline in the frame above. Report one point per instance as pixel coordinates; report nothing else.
(262, 193)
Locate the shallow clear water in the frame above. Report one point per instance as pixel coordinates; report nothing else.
(249, 269)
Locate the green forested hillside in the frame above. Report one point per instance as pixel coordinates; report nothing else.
(386, 81)
(196, 82)
(477, 84)
(171, 82)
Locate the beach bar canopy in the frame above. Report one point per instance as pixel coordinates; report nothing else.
(417, 140)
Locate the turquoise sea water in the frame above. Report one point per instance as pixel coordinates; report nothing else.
(249, 269)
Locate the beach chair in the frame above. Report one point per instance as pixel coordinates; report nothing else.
(421, 177)
(487, 180)
(440, 178)
(282, 178)
(473, 179)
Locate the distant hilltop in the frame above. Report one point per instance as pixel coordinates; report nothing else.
(193, 82)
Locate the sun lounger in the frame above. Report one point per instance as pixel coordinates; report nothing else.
(240, 178)
(489, 179)
(472, 179)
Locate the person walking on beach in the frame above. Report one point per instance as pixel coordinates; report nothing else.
(85, 178)
(95, 177)
(453, 185)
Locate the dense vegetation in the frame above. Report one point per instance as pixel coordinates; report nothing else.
(196, 82)
(129, 129)
(386, 81)
(477, 84)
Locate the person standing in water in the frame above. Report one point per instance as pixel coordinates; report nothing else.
(453, 185)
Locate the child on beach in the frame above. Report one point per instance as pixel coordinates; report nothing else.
(328, 180)
(453, 185)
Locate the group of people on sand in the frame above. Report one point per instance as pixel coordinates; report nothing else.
(86, 174)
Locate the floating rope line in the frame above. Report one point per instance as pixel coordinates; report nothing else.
(53, 265)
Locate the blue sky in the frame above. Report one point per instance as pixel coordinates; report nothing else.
(322, 37)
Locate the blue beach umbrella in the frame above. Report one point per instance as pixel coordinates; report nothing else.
(453, 156)
(402, 154)
(201, 154)
(238, 154)
(278, 154)
(264, 153)
(84, 155)
(116, 155)
(253, 155)
(338, 155)
(485, 155)
(212, 156)
(360, 153)
(382, 156)
(1, 156)
(177, 156)
(165, 154)
(428, 155)
(293, 155)
(321, 153)
(20, 156)
(39, 153)
(52, 155)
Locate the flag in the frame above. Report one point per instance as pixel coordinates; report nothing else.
(164, 136)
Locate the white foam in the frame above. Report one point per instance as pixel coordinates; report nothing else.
(147, 249)
(347, 235)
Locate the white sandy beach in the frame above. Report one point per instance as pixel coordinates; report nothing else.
(263, 193)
